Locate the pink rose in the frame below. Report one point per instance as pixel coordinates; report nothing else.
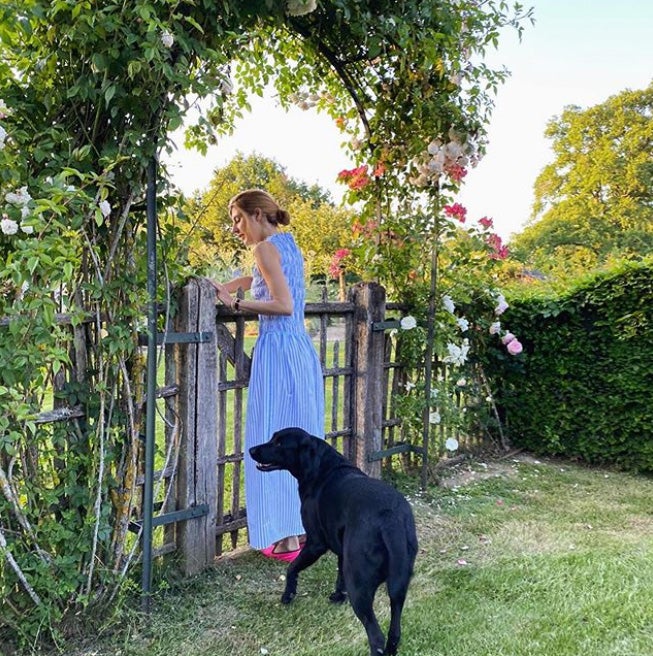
(507, 338)
(515, 347)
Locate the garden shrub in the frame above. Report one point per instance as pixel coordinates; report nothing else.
(583, 387)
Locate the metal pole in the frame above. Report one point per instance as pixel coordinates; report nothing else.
(148, 486)
(428, 364)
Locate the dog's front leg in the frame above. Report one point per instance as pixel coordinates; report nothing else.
(307, 556)
(339, 595)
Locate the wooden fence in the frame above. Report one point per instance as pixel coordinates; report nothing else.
(199, 489)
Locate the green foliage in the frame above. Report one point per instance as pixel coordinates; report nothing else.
(593, 202)
(584, 389)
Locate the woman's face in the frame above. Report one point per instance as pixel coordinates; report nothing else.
(245, 225)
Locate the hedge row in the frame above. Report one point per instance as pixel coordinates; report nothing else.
(583, 386)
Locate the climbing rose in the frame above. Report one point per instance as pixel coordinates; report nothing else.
(355, 178)
(457, 354)
(301, 7)
(457, 211)
(448, 303)
(8, 226)
(408, 323)
(3, 136)
(507, 338)
(335, 267)
(434, 417)
(515, 347)
(499, 249)
(21, 197)
(456, 172)
(167, 39)
(451, 444)
(502, 306)
(105, 208)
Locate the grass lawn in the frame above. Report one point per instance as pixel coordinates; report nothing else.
(518, 557)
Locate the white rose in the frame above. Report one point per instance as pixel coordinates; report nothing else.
(167, 39)
(21, 197)
(408, 323)
(301, 7)
(8, 226)
(448, 303)
(451, 444)
(105, 208)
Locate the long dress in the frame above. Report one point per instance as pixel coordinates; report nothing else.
(286, 388)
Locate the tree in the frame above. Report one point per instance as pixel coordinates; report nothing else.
(318, 225)
(595, 200)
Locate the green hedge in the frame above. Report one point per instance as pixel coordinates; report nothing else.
(584, 385)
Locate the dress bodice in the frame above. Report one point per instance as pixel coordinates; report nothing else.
(292, 265)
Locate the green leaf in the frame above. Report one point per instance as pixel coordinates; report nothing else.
(109, 93)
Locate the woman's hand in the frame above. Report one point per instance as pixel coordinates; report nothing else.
(223, 295)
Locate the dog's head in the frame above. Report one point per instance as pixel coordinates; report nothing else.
(290, 449)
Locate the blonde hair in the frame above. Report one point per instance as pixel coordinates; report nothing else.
(250, 199)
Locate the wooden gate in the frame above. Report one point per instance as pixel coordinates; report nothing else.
(212, 374)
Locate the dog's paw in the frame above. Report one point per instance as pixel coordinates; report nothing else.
(338, 597)
(287, 597)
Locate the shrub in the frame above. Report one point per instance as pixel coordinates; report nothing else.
(583, 387)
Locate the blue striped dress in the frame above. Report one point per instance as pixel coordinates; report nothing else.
(286, 388)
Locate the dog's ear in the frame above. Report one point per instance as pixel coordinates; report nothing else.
(309, 460)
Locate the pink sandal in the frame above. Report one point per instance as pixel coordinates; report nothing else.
(286, 556)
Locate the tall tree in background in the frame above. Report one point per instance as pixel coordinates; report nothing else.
(318, 225)
(594, 202)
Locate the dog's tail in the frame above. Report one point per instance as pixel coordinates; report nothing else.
(401, 544)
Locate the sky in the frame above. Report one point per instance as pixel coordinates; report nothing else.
(578, 52)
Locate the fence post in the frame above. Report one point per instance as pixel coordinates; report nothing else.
(368, 350)
(197, 471)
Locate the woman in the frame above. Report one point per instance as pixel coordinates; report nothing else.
(286, 385)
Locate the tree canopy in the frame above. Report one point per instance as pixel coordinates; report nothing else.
(594, 201)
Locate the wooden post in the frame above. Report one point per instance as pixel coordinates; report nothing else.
(197, 472)
(368, 350)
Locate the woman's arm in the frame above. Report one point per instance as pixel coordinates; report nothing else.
(226, 289)
(268, 261)
(244, 283)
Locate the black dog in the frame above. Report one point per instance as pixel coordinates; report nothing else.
(365, 522)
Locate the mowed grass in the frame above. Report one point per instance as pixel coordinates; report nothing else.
(518, 557)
